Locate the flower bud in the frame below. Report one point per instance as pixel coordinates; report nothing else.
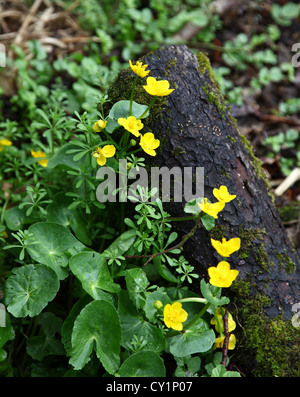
(158, 305)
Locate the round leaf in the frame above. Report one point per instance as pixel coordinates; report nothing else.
(49, 245)
(59, 212)
(97, 327)
(121, 109)
(197, 339)
(29, 289)
(92, 271)
(145, 363)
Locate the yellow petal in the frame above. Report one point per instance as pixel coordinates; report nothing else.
(108, 151)
(101, 160)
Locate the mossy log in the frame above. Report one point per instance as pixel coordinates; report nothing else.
(196, 129)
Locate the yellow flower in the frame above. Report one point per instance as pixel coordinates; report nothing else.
(131, 124)
(219, 315)
(223, 195)
(222, 276)
(211, 209)
(4, 142)
(149, 143)
(38, 154)
(103, 153)
(219, 342)
(174, 316)
(99, 125)
(139, 69)
(157, 88)
(226, 248)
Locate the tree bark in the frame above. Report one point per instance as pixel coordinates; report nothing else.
(196, 130)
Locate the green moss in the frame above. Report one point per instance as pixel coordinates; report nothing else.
(273, 342)
(289, 212)
(285, 261)
(177, 151)
(218, 232)
(205, 67)
(257, 165)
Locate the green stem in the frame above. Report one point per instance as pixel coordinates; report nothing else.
(148, 108)
(182, 218)
(199, 300)
(3, 210)
(109, 138)
(131, 96)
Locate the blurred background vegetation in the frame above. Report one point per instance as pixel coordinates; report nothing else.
(61, 56)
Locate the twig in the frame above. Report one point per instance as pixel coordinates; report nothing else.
(226, 341)
(179, 245)
(293, 177)
(27, 21)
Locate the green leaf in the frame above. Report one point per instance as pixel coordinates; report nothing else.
(91, 270)
(196, 339)
(208, 290)
(192, 206)
(6, 333)
(133, 323)
(97, 328)
(58, 212)
(29, 289)
(149, 307)
(145, 363)
(220, 372)
(122, 243)
(208, 221)
(137, 283)
(15, 218)
(163, 271)
(121, 109)
(44, 344)
(64, 160)
(50, 245)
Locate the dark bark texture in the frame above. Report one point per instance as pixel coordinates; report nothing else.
(197, 130)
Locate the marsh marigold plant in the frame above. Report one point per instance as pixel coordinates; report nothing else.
(174, 316)
(131, 124)
(222, 276)
(157, 88)
(139, 69)
(222, 194)
(226, 247)
(149, 143)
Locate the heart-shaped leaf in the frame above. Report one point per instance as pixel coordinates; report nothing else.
(97, 328)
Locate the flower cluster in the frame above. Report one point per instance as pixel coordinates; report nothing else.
(221, 276)
(148, 142)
